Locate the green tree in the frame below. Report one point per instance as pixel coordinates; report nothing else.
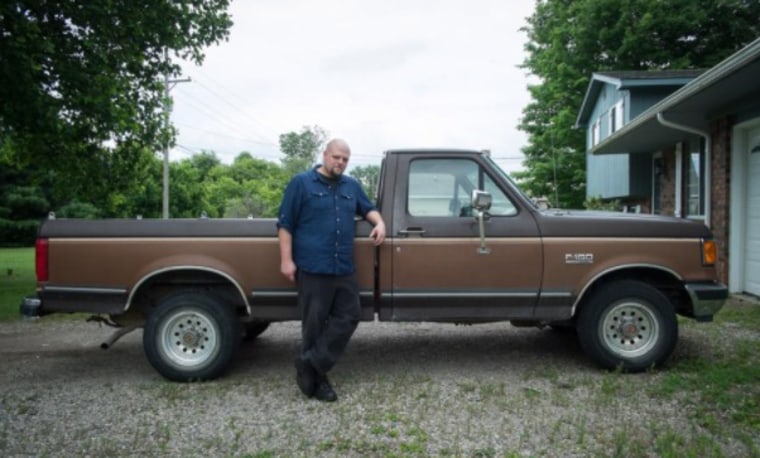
(205, 162)
(248, 187)
(301, 148)
(79, 75)
(263, 184)
(21, 209)
(570, 39)
(145, 198)
(218, 189)
(369, 177)
(185, 190)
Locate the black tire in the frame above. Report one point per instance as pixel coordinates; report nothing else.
(253, 330)
(628, 325)
(191, 336)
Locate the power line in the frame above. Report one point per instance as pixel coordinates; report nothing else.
(238, 109)
(234, 96)
(243, 139)
(194, 149)
(219, 117)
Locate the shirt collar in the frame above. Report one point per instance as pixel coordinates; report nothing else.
(316, 176)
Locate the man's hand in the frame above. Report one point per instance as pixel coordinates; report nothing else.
(378, 233)
(288, 269)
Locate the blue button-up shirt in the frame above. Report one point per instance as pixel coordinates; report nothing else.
(319, 214)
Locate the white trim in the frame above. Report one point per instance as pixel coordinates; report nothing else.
(737, 236)
(679, 180)
(708, 181)
(596, 132)
(708, 141)
(616, 117)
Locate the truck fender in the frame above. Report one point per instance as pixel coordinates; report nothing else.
(600, 276)
(164, 270)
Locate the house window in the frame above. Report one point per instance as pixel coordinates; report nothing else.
(596, 132)
(695, 181)
(616, 117)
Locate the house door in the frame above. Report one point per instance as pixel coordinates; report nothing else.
(752, 244)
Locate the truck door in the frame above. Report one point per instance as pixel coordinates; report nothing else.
(439, 272)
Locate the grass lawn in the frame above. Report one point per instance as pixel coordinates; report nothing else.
(17, 279)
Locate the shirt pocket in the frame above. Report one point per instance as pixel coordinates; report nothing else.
(320, 200)
(347, 204)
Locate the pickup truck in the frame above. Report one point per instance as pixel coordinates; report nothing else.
(464, 246)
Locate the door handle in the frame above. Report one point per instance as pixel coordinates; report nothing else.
(412, 231)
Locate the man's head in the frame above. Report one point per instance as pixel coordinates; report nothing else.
(335, 158)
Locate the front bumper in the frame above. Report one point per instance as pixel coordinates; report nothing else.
(706, 299)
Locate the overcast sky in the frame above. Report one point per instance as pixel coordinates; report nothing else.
(382, 75)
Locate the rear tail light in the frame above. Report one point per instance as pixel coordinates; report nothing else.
(709, 252)
(41, 259)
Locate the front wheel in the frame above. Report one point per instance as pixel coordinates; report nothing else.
(191, 336)
(628, 325)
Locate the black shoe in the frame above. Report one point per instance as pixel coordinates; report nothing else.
(325, 392)
(306, 377)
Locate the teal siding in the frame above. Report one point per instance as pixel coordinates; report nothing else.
(607, 176)
(620, 176)
(643, 98)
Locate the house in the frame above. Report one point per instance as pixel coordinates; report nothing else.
(611, 100)
(692, 153)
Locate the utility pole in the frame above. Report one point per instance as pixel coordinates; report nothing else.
(168, 85)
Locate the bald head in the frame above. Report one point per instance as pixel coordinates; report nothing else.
(338, 144)
(335, 158)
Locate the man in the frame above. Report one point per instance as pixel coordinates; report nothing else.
(316, 234)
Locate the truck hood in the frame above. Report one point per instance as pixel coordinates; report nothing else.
(588, 223)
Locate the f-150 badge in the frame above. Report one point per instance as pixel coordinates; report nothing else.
(579, 258)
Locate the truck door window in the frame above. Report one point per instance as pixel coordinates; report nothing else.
(500, 204)
(442, 187)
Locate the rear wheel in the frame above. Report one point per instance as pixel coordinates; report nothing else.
(628, 325)
(191, 336)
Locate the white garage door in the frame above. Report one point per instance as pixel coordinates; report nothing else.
(752, 256)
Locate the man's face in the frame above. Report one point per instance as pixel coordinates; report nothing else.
(335, 161)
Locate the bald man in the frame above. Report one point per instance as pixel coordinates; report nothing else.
(316, 235)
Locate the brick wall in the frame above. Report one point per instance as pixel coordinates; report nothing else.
(720, 171)
(720, 185)
(668, 182)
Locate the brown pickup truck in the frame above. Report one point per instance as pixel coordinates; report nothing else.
(464, 246)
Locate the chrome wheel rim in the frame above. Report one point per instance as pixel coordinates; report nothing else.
(630, 329)
(189, 338)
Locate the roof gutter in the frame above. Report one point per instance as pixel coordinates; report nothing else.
(708, 160)
(731, 64)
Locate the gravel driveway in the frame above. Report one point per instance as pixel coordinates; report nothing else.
(405, 389)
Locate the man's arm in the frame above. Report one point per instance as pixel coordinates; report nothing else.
(287, 266)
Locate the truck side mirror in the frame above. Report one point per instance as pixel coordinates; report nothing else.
(480, 200)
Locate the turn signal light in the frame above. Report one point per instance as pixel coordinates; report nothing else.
(709, 252)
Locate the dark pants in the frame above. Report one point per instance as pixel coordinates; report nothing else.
(330, 312)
